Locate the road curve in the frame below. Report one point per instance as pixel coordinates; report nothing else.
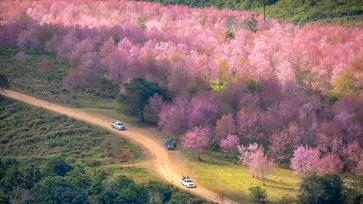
(160, 159)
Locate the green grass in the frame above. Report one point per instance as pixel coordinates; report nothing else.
(27, 77)
(302, 12)
(140, 175)
(220, 175)
(29, 132)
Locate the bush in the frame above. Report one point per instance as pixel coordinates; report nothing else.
(322, 189)
(57, 190)
(258, 194)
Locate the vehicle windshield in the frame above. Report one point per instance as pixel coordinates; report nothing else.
(188, 181)
(118, 123)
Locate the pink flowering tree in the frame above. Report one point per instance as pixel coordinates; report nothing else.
(229, 144)
(76, 80)
(225, 126)
(330, 164)
(359, 168)
(21, 56)
(153, 108)
(305, 160)
(196, 139)
(260, 164)
(352, 155)
(173, 118)
(281, 146)
(254, 157)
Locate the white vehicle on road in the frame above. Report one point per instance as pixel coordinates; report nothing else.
(187, 182)
(118, 125)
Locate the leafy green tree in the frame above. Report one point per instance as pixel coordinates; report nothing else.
(124, 190)
(327, 189)
(96, 189)
(183, 197)
(78, 177)
(4, 83)
(12, 177)
(159, 192)
(30, 175)
(353, 196)
(57, 190)
(3, 197)
(258, 194)
(138, 91)
(57, 167)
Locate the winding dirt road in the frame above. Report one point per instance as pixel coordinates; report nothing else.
(160, 157)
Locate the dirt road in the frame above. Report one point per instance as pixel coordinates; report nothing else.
(160, 157)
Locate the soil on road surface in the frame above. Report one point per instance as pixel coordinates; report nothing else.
(167, 166)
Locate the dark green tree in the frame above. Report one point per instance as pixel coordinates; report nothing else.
(124, 190)
(57, 167)
(258, 194)
(327, 189)
(4, 82)
(30, 175)
(159, 192)
(78, 177)
(138, 91)
(57, 190)
(184, 197)
(3, 197)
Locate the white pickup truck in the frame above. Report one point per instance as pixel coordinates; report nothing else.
(187, 182)
(118, 125)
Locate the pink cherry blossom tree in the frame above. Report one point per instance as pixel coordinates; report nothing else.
(305, 160)
(281, 146)
(225, 126)
(260, 164)
(21, 56)
(256, 160)
(173, 117)
(154, 107)
(229, 144)
(359, 168)
(330, 164)
(196, 139)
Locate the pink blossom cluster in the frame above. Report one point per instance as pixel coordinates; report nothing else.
(191, 42)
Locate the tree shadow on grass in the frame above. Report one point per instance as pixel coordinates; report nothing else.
(282, 183)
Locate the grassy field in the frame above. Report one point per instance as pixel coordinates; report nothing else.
(26, 131)
(28, 77)
(221, 175)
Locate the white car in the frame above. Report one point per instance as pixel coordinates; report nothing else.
(187, 182)
(118, 125)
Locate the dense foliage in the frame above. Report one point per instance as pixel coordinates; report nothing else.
(136, 96)
(24, 182)
(322, 189)
(35, 133)
(286, 87)
(298, 11)
(42, 75)
(4, 82)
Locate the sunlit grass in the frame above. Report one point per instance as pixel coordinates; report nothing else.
(140, 175)
(225, 177)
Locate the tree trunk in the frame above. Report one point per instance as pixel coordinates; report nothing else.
(199, 159)
(142, 118)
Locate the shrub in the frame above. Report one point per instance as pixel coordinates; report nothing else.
(258, 194)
